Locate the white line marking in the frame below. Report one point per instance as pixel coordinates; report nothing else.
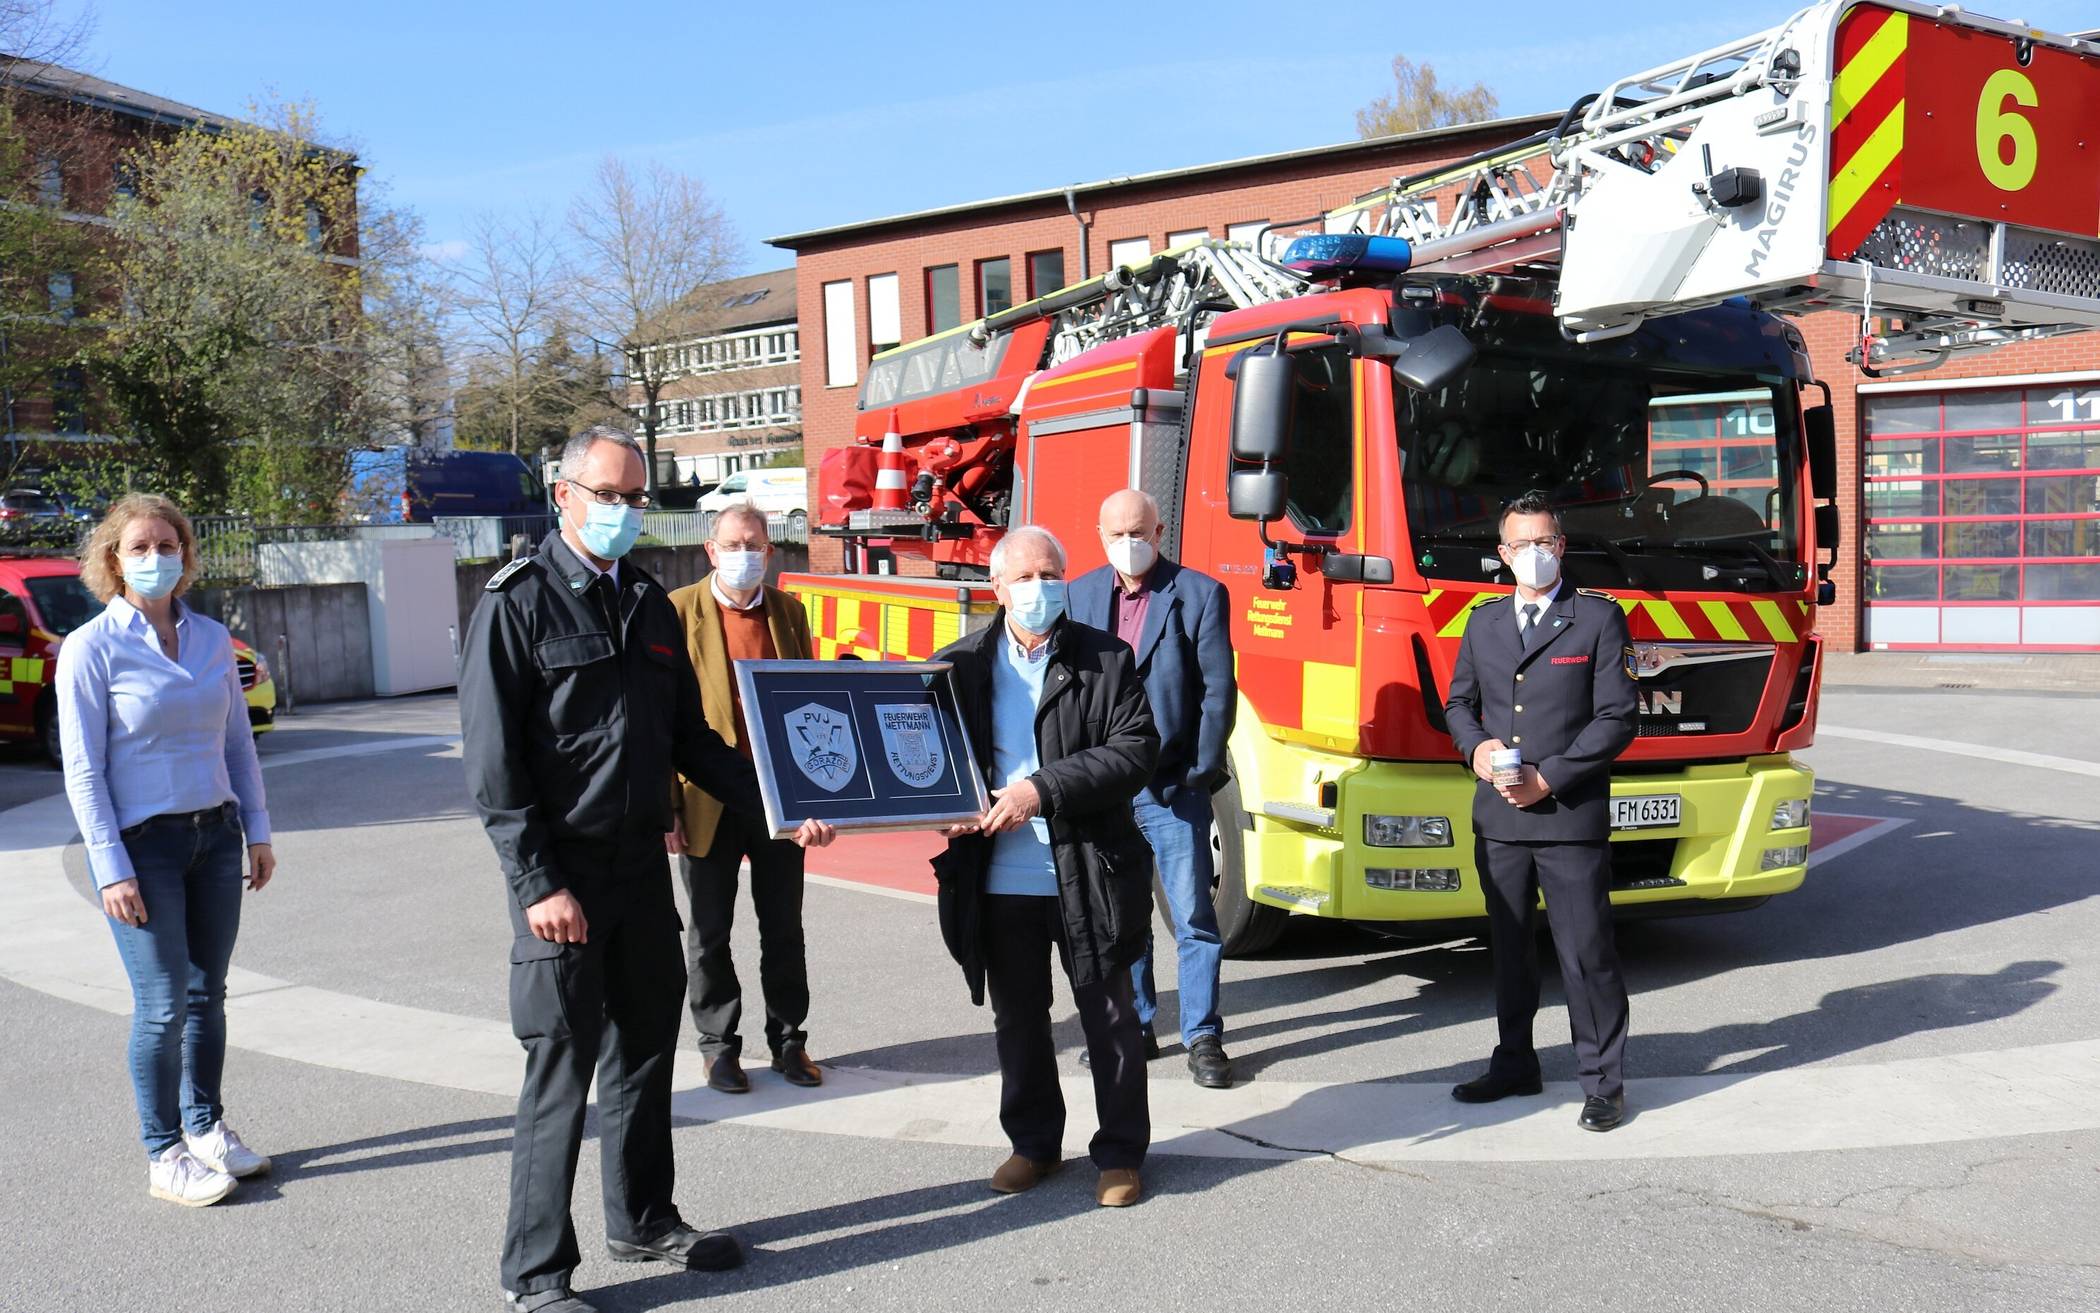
(57, 945)
(1839, 847)
(2011, 756)
(861, 887)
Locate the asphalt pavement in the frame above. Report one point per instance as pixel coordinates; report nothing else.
(1880, 1092)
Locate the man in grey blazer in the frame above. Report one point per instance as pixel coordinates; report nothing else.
(1177, 621)
(1545, 672)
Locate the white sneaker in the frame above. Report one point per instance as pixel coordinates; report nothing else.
(179, 1178)
(221, 1150)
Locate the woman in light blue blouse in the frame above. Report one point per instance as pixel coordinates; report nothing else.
(162, 775)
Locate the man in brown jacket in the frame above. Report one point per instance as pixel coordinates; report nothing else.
(734, 615)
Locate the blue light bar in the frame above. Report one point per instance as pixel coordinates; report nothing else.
(1330, 255)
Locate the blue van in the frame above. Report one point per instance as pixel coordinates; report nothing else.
(410, 485)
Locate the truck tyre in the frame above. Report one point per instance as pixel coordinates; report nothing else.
(1245, 926)
(47, 729)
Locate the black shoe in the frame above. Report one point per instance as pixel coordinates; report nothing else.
(1488, 1088)
(727, 1075)
(1600, 1113)
(559, 1300)
(794, 1063)
(1208, 1063)
(682, 1246)
(1086, 1059)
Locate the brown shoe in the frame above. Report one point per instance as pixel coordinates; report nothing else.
(726, 1074)
(1118, 1187)
(793, 1062)
(1017, 1174)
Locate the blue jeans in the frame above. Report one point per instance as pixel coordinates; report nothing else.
(190, 880)
(1180, 839)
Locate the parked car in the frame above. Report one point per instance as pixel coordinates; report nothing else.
(27, 516)
(41, 601)
(76, 507)
(776, 492)
(409, 485)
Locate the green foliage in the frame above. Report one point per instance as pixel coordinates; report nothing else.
(37, 344)
(560, 387)
(790, 458)
(1418, 103)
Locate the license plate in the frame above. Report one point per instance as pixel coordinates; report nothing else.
(1654, 811)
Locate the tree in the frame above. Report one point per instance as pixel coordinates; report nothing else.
(1418, 103)
(44, 262)
(644, 244)
(563, 393)
(513, 282)
(260, 323)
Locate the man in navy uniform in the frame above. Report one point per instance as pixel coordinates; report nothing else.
(1545, 673)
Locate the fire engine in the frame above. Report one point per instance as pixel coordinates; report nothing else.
(1331, 416)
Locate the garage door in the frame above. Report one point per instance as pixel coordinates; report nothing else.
(1982, 510)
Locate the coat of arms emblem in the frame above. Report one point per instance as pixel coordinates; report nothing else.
(820, 739)
(911, 743)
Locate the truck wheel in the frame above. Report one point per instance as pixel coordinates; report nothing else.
(1245, 926)
(47, 729)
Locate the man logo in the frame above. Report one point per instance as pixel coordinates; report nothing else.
(820, 739)
(1662, 702)
(911, 743)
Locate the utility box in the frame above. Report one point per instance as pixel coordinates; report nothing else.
(411, 591)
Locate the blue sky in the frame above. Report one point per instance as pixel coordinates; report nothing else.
(801, 116)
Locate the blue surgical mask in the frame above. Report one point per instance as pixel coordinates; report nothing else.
(739, 569)
(1035, 604)
(152, 576)
(608, 531)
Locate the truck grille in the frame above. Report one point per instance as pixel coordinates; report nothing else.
(1643, 864)
(246, 667)
(1718, 697)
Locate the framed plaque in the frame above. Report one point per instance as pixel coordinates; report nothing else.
(865, 745)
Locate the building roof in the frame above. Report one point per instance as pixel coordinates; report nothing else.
(1506, 128)
(87, 89)
(740, 303)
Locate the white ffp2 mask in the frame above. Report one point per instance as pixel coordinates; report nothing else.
(1535, 567)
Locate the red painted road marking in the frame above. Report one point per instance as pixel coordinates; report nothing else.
(900, 861)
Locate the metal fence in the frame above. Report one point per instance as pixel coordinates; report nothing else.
(226, 544)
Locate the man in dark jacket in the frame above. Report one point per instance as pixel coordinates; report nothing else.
(1057, 717)
(1177, 622)
(1544, 674)
(576, 701)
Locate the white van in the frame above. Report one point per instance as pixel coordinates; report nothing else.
(776, 492)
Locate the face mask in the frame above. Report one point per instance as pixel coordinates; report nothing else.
(152, 576)
(1035, 604)
(608, 531)
(740, 569)
(1132, 556)
(1535, 568)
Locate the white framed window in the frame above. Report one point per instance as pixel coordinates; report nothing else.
(1131, 250)
(885, 323)
(1185, 236)
(841, 339)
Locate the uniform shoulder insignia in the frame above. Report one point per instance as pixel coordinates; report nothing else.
(1489, 600)
(1599, 594)
(499, 580)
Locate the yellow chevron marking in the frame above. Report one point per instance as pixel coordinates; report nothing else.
(1456, 625)
(1328, 700)
(29, 670)
(1866, 166)
(1723, 617)
(1775, 620)
(1063, 379)
(1875, 58)
(1667, 620)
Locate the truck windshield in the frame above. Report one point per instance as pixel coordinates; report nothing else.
(1664, 478)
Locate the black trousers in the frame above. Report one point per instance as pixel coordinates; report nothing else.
(609, 1005)
(1019, 934)
(783, 967)
(1576, 880)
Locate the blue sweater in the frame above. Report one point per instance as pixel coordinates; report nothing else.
(1021, 860)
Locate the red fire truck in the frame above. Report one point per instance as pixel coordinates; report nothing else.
(1330, 420)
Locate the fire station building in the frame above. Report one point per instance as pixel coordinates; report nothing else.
(1970, 495)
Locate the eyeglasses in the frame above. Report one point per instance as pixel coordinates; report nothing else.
(1545, 544)
(612, 496)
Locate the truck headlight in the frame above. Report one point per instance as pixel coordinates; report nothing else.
(1430, 880)
(1407, 831)
(1775, 858)
(262, 669)
(1791, 814)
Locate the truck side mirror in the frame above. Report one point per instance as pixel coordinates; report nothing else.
(1434, 360)
(1261, 407)
(1255, 494)
(1819, 424)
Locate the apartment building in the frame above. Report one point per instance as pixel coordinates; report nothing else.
(732, 399)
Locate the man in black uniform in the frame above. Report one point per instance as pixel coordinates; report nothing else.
(577, 701)
(1545, 673)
